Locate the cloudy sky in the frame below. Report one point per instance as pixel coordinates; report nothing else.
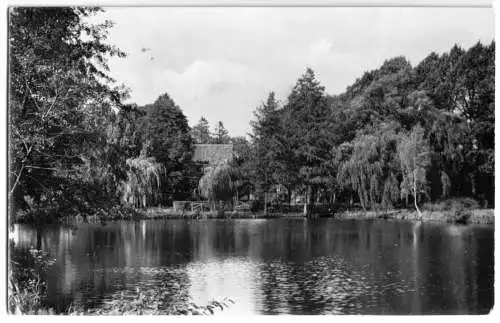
(221, 62)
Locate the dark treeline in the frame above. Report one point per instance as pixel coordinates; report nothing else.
(399, 135)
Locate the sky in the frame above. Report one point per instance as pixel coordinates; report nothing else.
(221, 63)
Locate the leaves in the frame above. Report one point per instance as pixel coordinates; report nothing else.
(166, 137)
(144, 182)
(60, 99)
(218, 184)
(201, 132)
(414, 153)
(220, 135)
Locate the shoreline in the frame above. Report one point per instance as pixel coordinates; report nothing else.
(466, 216)
(460, 216)
(473, 216)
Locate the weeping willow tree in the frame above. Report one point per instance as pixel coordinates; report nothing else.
(362, 176)
(143, 185)
(218, 184)
(371, 169)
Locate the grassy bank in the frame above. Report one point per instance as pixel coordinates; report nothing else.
(168, 213)
(473, 216)
(58, 215)
(461, 210)
(453, 210)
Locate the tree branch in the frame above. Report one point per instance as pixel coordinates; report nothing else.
(16, 182)
(51, 106)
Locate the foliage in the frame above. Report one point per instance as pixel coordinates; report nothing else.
(413, 152)
(26, 284)
(166, 137)
(152, 302)
(397, 131)
(144, 182)
(266, 144)
(217, 184)
(345, 147)
(307, 118)
(452, 203)
(372, 169)
(126, 131)
(201, 132)
(242, 167)
(60, 102)
(220, 134)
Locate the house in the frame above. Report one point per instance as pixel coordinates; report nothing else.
(213, 154)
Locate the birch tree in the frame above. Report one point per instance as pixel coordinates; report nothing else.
(414, 155)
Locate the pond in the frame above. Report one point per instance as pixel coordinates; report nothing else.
(278, 266)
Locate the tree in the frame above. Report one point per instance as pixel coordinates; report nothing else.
(60, 102)
(241, 147)
(127, 131)
(217, 183)
(413, 151)
(306, 125)
(242, 166)
(372, 168)
(167, 138)
(201, 132)
(460, 86)
(144, 180)
(265, 141)
(220, 135)
(475, 97)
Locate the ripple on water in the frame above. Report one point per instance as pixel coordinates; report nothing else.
(326, 285)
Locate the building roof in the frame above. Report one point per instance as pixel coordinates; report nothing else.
(213, 153)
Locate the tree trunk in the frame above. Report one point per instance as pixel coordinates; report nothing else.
(265, 202)
(289, 190)
(312, 200)
(415, 194)
(361, 199)
(39, 233)
(308, 207)
(15, 183)
(305, 201)
(473, 184)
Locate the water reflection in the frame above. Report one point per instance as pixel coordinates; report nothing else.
(237, 277)
(274, 266)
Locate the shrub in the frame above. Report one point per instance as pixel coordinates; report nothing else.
(256, 205)
(454, 210)
(27, 287)
(452, 204)
(458, 209)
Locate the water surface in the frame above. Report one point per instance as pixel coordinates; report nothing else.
(291, 266)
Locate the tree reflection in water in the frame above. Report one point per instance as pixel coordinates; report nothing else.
(291, 266)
